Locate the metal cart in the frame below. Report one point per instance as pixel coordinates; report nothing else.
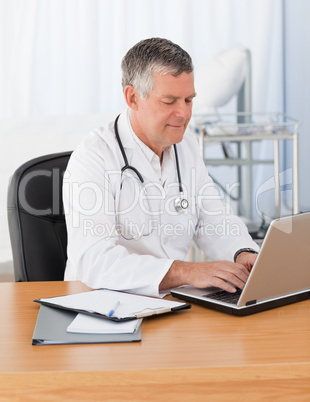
(244, 129)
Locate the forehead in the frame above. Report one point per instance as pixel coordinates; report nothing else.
(177, 86)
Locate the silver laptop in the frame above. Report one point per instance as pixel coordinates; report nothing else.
(280, 275)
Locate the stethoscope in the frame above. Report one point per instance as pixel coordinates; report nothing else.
(180, 203)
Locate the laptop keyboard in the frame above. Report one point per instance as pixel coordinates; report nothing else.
(224, 296)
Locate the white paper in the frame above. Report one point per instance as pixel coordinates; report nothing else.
(102, 301)
(86, 324)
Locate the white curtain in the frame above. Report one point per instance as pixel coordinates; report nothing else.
(62, 58)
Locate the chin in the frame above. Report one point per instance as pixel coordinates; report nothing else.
(178, 137)
(175, 140)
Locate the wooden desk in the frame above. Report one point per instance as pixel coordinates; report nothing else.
(197, 354)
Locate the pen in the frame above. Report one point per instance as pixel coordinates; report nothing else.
(112, 311)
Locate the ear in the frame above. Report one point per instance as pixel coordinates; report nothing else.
(131, 97)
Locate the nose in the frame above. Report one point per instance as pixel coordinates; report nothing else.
(184, 110)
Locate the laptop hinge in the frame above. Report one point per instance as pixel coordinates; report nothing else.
(249, 303)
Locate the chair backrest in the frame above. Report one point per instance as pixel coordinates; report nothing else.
(36, 219)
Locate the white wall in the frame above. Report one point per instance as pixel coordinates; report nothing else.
(297, 86)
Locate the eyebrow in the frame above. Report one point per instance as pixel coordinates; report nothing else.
(178, 97)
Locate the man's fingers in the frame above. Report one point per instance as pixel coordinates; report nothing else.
(222, 284)
(235, 274)
(222, 274)
(240, 272)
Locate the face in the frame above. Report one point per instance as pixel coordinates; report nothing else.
(161, 119)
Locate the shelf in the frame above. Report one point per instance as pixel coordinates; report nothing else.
(259, 136)
(246, 128)
(237, 162)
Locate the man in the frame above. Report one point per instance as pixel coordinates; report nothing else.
(134, 201)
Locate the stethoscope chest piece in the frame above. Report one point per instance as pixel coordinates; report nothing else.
(180, 204)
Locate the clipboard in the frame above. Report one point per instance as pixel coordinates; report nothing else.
(51, 329)
(101, 302)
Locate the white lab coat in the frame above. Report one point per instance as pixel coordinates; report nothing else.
(99, 256)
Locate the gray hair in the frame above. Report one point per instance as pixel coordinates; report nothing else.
(151, 56)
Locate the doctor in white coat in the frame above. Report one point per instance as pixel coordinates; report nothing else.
(136, 193)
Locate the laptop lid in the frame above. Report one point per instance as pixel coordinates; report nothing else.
(283, 264)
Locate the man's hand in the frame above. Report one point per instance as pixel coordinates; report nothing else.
(223, 274)
(246, 259)
(219, 273)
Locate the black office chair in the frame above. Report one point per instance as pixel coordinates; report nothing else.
(36, 219)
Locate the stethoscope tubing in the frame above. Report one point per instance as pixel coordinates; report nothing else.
(180, 204)
(126, 166)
